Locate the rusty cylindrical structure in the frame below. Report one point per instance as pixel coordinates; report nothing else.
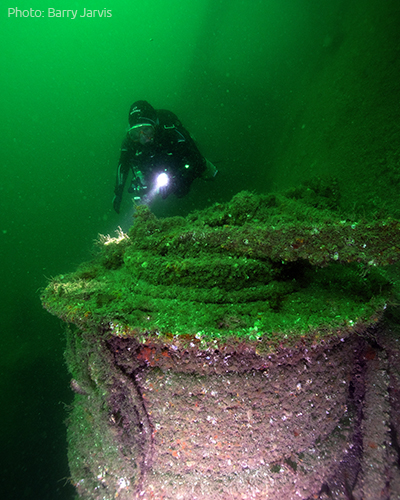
(231, 354)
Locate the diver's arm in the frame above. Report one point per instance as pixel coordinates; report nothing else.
(122, 175)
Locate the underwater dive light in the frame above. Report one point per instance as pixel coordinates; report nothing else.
(162, 180)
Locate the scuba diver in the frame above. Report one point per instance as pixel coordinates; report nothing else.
(162, 155)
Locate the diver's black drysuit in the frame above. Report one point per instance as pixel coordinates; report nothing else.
(172, 150)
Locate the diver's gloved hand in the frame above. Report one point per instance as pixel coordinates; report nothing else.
(169, 188)
(117, 202)
(164, 191)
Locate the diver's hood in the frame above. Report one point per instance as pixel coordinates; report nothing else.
(141, 112)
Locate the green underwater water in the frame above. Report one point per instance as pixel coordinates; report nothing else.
(274, 92)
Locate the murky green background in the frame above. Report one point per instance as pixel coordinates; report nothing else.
(275, 92)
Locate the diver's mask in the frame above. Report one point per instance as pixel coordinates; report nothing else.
(143, 133)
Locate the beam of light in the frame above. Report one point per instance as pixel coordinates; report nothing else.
(162, 180)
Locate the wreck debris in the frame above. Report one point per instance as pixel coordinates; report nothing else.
(225, 354)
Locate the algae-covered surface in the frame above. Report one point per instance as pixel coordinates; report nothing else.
(226, 354)
(270, 269)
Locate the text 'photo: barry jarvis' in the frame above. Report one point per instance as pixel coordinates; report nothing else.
(57, 13)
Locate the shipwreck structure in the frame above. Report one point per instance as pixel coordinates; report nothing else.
(237, 353)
